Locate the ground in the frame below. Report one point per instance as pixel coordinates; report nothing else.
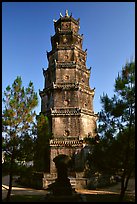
(17, 190)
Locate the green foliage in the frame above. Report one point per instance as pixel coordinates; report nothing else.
(116, 150)
(18, 120)
(42, 143)
(119, 111)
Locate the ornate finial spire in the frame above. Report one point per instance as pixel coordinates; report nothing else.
(61, 14)
(66, 14)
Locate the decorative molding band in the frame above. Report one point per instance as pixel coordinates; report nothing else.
(72, 111)
(82, 68)
(71, 64)
(66, 47)
(66, 143)
(86, 89)
(88, 112)
(65, 111)
(66, 86)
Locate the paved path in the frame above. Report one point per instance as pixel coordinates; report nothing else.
(130, 188)
(111, 189)
(16, 190)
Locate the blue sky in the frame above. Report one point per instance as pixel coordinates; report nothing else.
(109, 36)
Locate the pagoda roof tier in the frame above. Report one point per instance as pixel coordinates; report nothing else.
(66, 19)
(69, 64)
(71, 111)
(68, 86)
(65, 111)
(65, 32)
(67, 47)
(66, 142)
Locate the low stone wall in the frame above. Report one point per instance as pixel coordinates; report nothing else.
(33, 180)
(81, 183)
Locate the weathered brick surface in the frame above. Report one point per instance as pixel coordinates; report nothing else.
(88, 125)
(67, 75)
(66, 98)
(66, 123)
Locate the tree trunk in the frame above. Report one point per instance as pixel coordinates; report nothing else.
(10, 187)
(10, 178)
(124, 184)
(122, 191)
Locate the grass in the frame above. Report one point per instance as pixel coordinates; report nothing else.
(89, 198)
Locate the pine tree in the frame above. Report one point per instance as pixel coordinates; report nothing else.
(42, 144)
(17, 120)
(116, 150)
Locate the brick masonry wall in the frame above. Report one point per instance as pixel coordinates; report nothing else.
(65, 98)
(87, 125)
(67, 75)
(62, 124)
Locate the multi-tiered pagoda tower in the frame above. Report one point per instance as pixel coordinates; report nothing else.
(67, 98)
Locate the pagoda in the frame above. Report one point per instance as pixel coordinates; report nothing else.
(67, 99)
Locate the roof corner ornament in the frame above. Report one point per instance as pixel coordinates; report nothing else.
(44, 72)
(78, 20)
(54, 20)
(89, 68)
(66, 14)
(47, 54)
(61, 14)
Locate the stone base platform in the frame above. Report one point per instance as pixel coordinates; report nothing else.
(76, 183)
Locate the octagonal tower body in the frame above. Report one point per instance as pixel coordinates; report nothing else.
(67, 99)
